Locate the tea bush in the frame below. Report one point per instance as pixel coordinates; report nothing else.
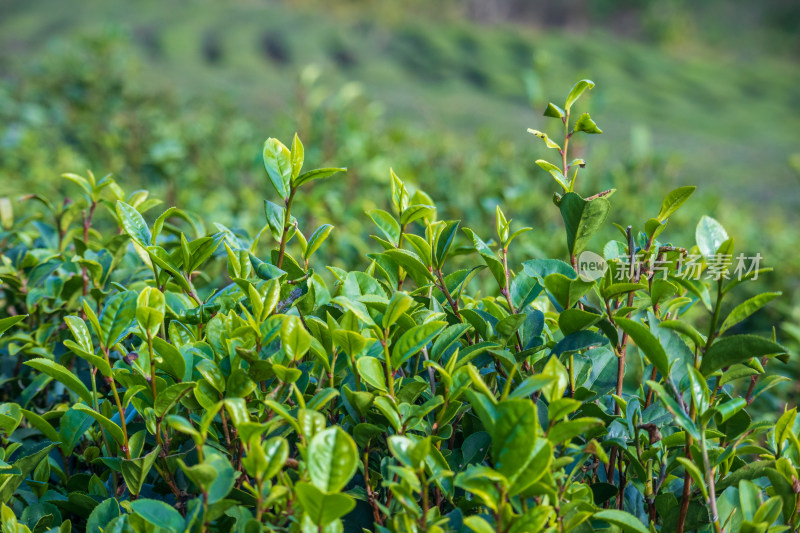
(160, 378)
(86, 104)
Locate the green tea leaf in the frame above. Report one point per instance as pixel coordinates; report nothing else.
(371, 370)
(22, 468)
(625, 521)
(8, 322)
(699, 389)
(736, 349)
(513, 435)
(565, 431)
(543, 136)
(159, 514)
(316, 174)
(411, 264)
(489, 257)
(709, 235)
(444, 242)
(674, 201)
(332, 459)
(586, 124)
(95, 360)
(386, 223)
(747, 308)
(286, 374)
(295, 340)
(212, 373)
(647, 342)
(170, 396)
(577, 91)
(320, 507)
(685, 328)
(582, 219)
(414, 339)
(553, 111)
(298, 156)
(135, 470)
(81, 332)
(398, 304)
(572, 320)
(278, 164)
(316, 240)
(150, 307)
(102, 515)
(133, 224)
(113, 429)
(555, 172)
(784, 426)
(727, 409)
(117, 317)
(416, 212)
(62, 374)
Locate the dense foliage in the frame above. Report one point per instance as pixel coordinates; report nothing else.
(87, 104)
(159, 377)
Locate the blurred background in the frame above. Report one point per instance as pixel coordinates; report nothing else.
(178, 97)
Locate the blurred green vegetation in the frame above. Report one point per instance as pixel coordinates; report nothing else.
(175, 97)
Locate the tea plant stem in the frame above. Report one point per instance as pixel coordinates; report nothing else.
(376, 513)
(400, 278)
(565, 170)
(425, 503)
(648, 400)
(87, 223)
(431, 372)
(622, 481)
(356, 375)
(567, 135)
(712, 496)
(331, 375)
(225, 428)
(796, 509)
(687, 478)
(204, 526)
(753, 381)
(119, 408)
(624, 340)
(286, 217)
(193, 292)
(622, 350)
(571, 376)
(389, 371)
(259, 499)
(509, 380)
(498, 518)
(453, 303)
(599, 195)
(152, 370)
(505, 292)
(715, 317)
(648, 482)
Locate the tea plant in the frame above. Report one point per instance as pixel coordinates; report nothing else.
(158, 378)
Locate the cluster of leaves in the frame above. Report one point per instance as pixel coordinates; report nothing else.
(159, 382)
